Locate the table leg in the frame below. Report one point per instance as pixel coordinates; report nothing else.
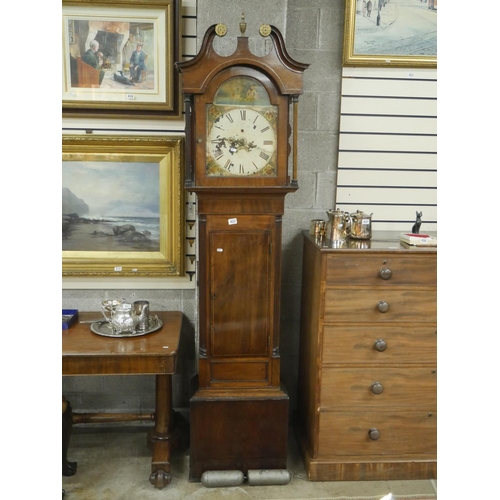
(68, 468)
(163, 438)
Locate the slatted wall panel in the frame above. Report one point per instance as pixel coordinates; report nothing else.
(387, 162)
(188, 29)
(188, 51)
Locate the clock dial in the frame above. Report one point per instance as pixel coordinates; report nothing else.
(241, 141)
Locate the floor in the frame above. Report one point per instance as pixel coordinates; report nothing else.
(114, 463)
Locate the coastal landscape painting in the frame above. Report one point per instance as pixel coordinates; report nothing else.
(110, 206)
(121, 206)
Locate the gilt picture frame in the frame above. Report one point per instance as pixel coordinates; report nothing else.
(118, 58)
(122, 206)
(390, 33)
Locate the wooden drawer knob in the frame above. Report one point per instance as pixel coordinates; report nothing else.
(374, 434)
(385, 273)
(382, 306)
(377, 388)
(380, 345)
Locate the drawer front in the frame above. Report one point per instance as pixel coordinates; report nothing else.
(368, 270)
(379, 344)
(400, 433)
(364, 305)
(378, 387)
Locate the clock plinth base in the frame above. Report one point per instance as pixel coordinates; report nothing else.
(238, 430)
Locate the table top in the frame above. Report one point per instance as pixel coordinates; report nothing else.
(86, 353)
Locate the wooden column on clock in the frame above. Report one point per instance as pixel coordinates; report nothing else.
(238, 110)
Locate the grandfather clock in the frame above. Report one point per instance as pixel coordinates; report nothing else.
(241, 125)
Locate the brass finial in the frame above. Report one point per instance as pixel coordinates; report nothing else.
(265, 30)
(243, 24)
(221, 29)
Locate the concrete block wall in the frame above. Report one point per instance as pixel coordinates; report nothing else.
(313, 31)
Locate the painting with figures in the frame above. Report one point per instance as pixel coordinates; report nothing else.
(122, 55)
(118, 58)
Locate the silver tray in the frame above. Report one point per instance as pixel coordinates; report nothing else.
(104, 328)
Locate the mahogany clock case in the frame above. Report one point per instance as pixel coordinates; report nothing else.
(239, 172)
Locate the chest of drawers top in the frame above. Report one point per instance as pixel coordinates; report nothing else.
(380, 241)
(381, 260)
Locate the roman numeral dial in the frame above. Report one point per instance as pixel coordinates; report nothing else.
(241, 141)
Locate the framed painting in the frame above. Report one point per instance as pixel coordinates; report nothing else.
(122, 206)
(119, 56)
(390, 33)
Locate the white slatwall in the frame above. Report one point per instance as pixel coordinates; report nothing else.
(188, 51)
(387, 163)
(188, 29)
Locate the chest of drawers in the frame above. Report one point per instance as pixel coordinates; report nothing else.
(368, 359)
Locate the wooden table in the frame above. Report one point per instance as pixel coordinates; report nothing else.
(86, 353)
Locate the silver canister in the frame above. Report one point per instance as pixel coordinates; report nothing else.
(360, 226)
(317, 228)
(141, 311)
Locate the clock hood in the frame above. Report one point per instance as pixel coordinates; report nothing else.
(286, 72)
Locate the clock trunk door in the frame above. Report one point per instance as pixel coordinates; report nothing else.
(241, 280)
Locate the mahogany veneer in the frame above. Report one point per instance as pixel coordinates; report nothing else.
(367, 371)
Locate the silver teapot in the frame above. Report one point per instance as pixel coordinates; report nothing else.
(121, 317)
(359, 226)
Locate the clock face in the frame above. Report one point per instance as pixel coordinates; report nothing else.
(241, 140)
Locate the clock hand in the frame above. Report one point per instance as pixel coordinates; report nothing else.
(239, 144)
(235, 144)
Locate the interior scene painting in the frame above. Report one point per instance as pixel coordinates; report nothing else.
(111, 55)
(103, 211)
